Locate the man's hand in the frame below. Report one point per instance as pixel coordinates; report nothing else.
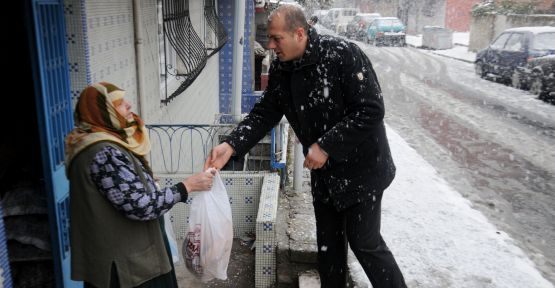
(218, 156)
(316, 157)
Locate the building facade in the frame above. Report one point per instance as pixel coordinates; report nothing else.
(68, 45)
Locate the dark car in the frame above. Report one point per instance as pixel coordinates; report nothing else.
(539, 76)
(514, 48)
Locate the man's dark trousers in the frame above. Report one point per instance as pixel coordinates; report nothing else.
(360, 226)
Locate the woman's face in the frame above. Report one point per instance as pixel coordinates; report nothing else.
(124, 108)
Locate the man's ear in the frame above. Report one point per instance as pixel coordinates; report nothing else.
(300, 33)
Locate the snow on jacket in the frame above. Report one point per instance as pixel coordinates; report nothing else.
(330, 96)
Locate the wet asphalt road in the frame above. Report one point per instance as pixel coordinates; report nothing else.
(498, 156)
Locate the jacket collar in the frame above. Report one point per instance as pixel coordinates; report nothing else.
(310, 55)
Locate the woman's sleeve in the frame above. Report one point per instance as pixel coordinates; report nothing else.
(115, 177)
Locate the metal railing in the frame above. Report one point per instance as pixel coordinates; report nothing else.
(179, 31)
(182, 149)
(216, 31)
(280, 136)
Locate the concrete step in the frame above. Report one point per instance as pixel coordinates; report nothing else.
(356, 276)
(296, 234)
(258, 165)
(259, 157)
(261, 149)
(309, 279)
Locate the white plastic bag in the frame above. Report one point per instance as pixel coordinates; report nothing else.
(208, 244)
(171, 238)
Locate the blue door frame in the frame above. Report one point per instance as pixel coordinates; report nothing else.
(47, 40)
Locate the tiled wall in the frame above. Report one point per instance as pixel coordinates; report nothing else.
(199, 103)
(253, 198)
(225, 10)
(266, 239)
(100, 37)
(111, 44)
(150, 111)
(243, 190)
(77, 44)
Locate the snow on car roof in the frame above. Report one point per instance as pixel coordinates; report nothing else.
(368, 14)
(386, 18)
(533, 29)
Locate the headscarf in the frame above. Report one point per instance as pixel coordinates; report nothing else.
(96, 119)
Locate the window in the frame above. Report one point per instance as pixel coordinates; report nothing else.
(544, 41)
(190, 54)
(390, 22)
(215, 36)
(515, 42)
(499, 43)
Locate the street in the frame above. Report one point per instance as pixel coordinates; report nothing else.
(492, 143)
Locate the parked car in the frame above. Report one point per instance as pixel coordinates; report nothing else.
(339, 17)
(539, 76)
(514, 48)
(356, 29)
(386, 31)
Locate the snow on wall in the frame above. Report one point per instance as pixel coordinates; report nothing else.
(483, 29)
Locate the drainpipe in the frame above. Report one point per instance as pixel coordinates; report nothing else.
(237, 69)
(138, 29)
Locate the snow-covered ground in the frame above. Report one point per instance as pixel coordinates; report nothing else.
(521, 102)
(438, 239)
(459, 50)
(414, 40)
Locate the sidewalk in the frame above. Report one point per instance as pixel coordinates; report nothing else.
(458, 52)
(438, 239)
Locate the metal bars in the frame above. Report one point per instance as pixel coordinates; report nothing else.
(216, 31)
(179, 31)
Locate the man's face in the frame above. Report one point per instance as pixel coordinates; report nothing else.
(287, 45)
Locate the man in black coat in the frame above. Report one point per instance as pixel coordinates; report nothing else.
(328, 91)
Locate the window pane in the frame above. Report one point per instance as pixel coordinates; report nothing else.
(514, 43)
(500, 42)
(544, 41)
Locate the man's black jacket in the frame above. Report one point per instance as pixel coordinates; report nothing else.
(330, 96)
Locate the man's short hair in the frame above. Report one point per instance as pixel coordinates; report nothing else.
(294, 17)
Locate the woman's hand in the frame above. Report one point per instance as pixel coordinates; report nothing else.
(201, 181)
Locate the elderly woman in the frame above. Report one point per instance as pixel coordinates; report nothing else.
(117, 239)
